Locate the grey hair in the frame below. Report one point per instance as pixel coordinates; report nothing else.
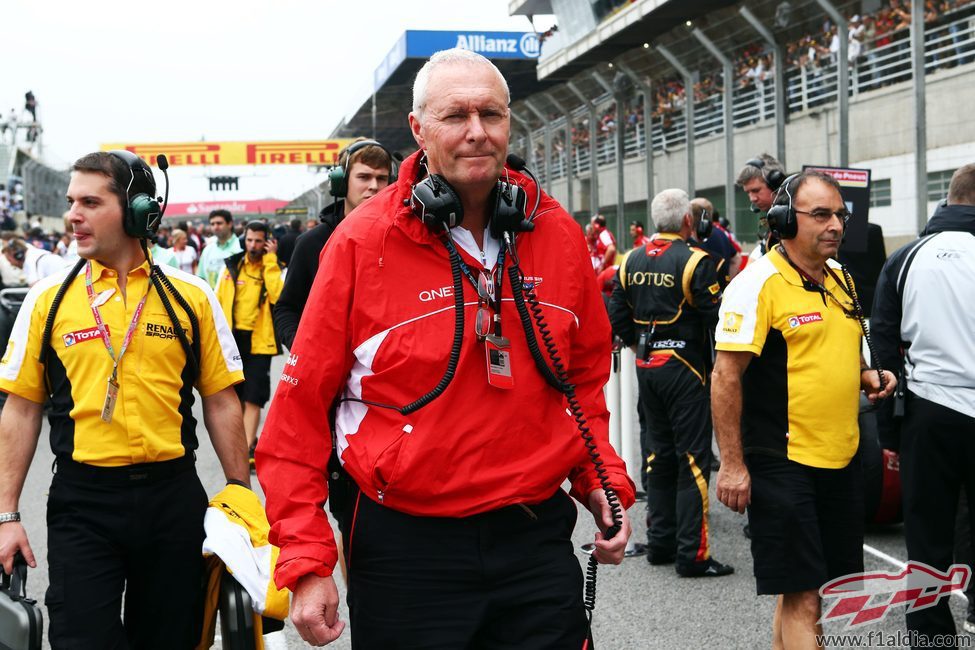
(668, 209)
(453, 56)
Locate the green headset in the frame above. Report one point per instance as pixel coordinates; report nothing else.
(338, 181)
(142, 213)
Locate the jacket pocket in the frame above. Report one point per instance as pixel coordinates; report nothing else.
(389, 464)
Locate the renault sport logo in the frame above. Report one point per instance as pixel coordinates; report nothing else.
(82, 336)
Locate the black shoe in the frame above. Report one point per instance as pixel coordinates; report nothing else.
(657, 558)
(747, 531)
(708, 569)
(250, 458)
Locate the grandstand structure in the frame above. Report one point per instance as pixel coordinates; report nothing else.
(609, 83)
(44, 187)
(764, 80)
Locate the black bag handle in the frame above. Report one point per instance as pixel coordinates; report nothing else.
(15, 584)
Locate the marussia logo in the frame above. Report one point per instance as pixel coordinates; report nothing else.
(531, 281)
(869, 597)
(803, 319)
(81, 336)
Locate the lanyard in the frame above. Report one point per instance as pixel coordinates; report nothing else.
(497, 285)
(102, 330)
(819, 286)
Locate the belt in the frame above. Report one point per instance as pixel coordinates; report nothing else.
(124, 474)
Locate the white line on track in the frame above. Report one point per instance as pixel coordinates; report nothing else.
(901, 565)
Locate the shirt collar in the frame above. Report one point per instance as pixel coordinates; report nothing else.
(791, 275)
(100, 271)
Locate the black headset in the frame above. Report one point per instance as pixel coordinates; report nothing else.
(142, 213)
(704, 227)
(773, 177)
(435, 203)
(338, 180)
(19, 254)
(781, 217)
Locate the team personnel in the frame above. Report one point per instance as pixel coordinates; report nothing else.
(664, 303)
(636, 232)
(286, 242)
(125, 508)
(785, 393)
(222, 245)
(461, 532)
(604, 245)
(923, 306)
(715, 239)
(365, 169)
(35, 263)
(248, 289)
(761, 178)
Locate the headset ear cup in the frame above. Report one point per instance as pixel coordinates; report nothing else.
(509, 208)
(142, 216)
(337, 185)
(774, 179)
(704, 228)
(781, 220)
(435, 203)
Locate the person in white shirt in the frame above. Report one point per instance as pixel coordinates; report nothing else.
(36, 263)
(185, 255)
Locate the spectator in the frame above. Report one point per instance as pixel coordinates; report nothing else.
(221, 246)
(286, 243)
(36, 263)
(185, 254)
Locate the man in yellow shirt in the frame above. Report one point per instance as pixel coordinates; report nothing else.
(249, 286)
(118, 346)
(785, 396)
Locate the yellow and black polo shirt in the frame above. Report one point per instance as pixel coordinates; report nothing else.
(153, 418)
(801, 393)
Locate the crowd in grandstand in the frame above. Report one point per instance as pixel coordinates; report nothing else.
(877, 42)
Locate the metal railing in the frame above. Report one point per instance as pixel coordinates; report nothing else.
(949, 44)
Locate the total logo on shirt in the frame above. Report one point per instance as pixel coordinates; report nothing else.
(805, 319)
(81, 336)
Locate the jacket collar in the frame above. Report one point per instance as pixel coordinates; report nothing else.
(951, 217)
(411, 172)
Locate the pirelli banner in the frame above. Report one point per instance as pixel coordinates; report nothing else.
(291, 152)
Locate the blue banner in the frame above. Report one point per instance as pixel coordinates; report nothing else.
(421, 44)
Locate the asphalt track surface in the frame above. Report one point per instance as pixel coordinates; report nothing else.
(638, 606)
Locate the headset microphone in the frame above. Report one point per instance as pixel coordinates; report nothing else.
(516, 162)
(163, 165)
(754, 208)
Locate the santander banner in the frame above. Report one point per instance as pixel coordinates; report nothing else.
(201, 209)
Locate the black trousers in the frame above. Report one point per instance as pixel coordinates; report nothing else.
(503, 579)
(677, 407)
(937, 463)
(137, 529)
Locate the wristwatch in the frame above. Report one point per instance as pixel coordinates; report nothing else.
(9, 516)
